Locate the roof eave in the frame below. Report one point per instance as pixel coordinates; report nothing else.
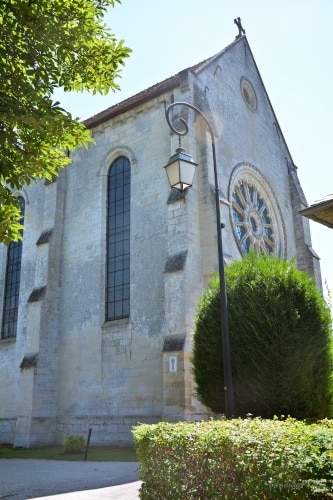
(132, 102)
(321, 212)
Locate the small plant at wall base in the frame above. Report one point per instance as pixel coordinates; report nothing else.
(281, 342)
(74, 444)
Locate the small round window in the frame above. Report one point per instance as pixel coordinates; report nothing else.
(249, 95)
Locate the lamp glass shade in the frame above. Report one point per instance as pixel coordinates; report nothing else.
(180, 170)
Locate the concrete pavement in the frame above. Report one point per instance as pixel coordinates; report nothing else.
(63, 480)
(127, 491)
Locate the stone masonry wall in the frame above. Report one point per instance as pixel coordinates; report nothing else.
(111, 375)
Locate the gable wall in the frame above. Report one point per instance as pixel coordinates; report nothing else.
(245, 137)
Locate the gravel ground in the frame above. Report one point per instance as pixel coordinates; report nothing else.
(26, 479)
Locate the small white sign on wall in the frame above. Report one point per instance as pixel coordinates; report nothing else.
(172, 363)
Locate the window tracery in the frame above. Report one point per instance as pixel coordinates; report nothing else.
(256, 218)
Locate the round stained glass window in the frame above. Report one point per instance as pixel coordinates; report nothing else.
(256, 218)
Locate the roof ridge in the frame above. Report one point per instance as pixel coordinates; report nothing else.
(201, 65)
(154, 90)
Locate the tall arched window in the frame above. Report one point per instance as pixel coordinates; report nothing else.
(118, 240)
(12, 285)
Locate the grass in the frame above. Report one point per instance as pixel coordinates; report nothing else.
(95, 454)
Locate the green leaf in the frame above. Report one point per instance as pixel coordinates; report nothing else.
(45, 45)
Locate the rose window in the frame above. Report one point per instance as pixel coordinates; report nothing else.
(256, 220)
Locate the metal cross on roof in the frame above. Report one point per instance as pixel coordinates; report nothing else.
(241, 30)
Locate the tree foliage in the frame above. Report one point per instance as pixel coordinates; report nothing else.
(44, 45)
(281, 342)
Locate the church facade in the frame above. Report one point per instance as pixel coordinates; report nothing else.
(97, 322)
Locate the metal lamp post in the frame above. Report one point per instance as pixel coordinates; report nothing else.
(180, 170)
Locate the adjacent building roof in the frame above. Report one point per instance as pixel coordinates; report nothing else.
(321, 211)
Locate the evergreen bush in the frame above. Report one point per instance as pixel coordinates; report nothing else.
(74, 444)
(281, 342)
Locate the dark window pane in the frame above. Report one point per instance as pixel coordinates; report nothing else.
(110, 310)
(119, 264)
(126, 276)
(118, 235)
(119, 294)
(118, 278)
(126, 308)
(126, 218)
(111, 266)
(119, 246)
(111, 294)
(12, 285)
(126, 293)
(118, 310)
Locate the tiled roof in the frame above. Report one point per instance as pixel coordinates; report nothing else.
(135, 100)
(145, 95)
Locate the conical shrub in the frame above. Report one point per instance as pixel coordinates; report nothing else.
(280, 337)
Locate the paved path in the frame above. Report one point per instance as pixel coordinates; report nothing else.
(63, 480)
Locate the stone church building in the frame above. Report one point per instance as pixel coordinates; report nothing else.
(97, 303)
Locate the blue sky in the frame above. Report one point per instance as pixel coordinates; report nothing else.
(291, 41)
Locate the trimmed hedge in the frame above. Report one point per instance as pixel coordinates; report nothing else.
(280, 339)
(243, 459)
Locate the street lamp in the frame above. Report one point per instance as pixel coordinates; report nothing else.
(180, 170)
